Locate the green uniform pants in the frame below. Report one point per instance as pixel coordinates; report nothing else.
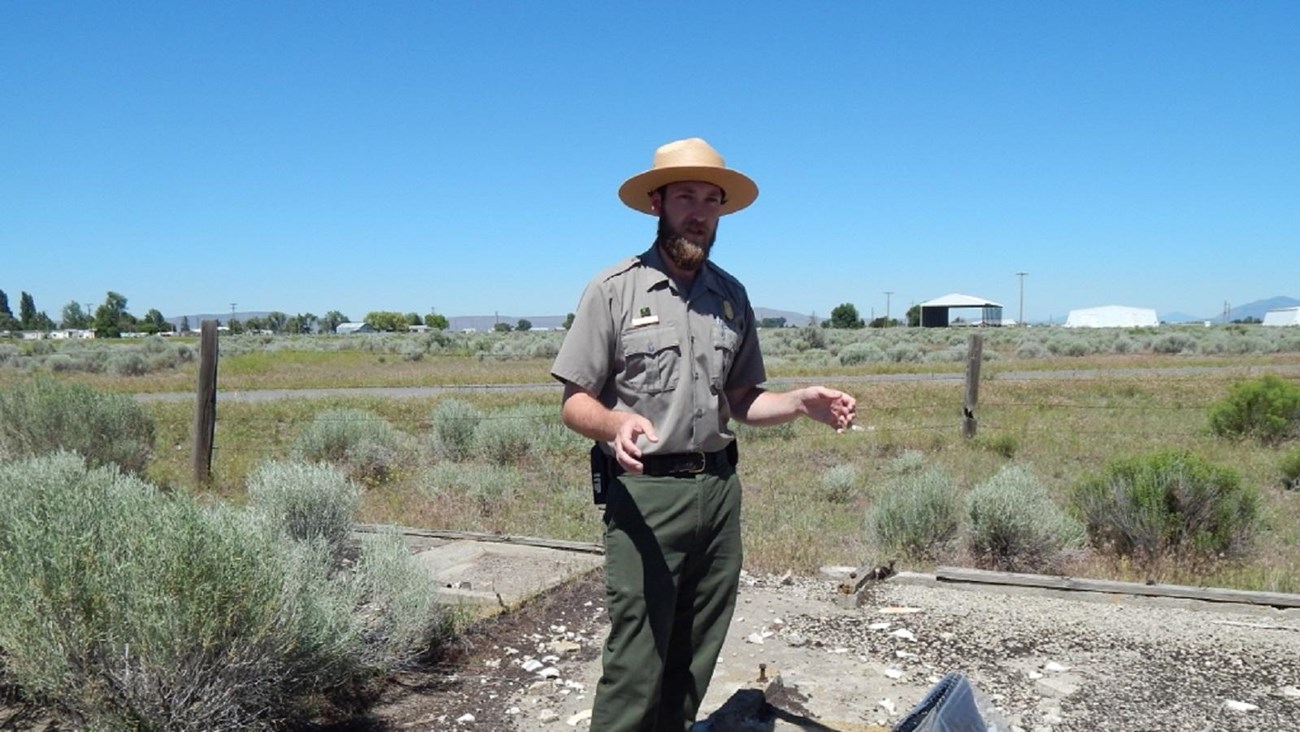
(672, 569)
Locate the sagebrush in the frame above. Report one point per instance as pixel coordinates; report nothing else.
(44, 415)
(1170, 502)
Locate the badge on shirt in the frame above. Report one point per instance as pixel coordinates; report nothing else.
(645, 319)
(727, 310)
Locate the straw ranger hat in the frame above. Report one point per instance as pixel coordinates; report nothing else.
(688, 160)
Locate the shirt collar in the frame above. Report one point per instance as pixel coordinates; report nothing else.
(653, 259)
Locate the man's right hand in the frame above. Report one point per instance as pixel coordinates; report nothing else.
(626, 449)
(583, 413)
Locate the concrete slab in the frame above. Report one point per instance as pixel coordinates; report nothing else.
(496, 576)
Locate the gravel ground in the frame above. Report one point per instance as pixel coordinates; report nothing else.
(1042, 661)
(1081, 661)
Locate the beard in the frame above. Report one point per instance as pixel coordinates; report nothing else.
(682, 251)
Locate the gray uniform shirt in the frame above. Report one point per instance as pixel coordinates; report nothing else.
(642, 345)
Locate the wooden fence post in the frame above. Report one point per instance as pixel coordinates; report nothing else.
(205, 413)
(974, 356)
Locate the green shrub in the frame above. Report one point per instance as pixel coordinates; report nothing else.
(506, 437)
(1290, 467)
(10, 354)
(1015, 527)
(45, 415)
(1267, 408)
(311, 501)
(745, 432)
(910, 461)
(454, 424)
(861, 352)
(484, 486)
(127, 609)
(361, 442)
(1172, 343)
(1003, 443)
(811, 336)
(127, 363)
(401, 619)
(905, 353)
(1167, 502)
(839, 483)
(917, 516)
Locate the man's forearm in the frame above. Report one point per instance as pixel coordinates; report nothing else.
(760, 407)
(584, 414)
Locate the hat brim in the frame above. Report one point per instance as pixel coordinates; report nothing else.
(740, 190)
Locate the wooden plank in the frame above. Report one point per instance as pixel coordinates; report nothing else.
(570, 546)
(974, 357)
(1208, 594)
(205, 412)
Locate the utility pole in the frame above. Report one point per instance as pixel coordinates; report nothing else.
(888, 293)
(232, 312)
(1021, 320)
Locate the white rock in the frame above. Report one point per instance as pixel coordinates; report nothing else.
(1035, 675)
(836, 571)
(1239, 706)
(899, 610)
(558, 629)
(512, 711)
(756, 638)
(905, 654)
(580, 717)
(1290, 691)
(887, 705)
(550, 672)
(564, 647)
(547, 715)
(1055, 667)
(532, 664)
(893, 673)
(465, 719)
(904, 633)
(878, 626)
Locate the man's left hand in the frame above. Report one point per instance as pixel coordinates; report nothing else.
(829, 406)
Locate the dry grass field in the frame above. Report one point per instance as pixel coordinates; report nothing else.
(1063, 417)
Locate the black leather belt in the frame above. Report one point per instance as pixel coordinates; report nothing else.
(684, 463)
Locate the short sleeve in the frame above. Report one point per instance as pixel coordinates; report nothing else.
(587, 353)
(747, 368)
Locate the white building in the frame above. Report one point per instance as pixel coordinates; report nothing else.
(1283, 316)
(349, 328)
(1112, 316)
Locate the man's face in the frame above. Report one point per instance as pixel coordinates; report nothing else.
(688, 221)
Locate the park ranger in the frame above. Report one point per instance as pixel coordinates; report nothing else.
(662, 354)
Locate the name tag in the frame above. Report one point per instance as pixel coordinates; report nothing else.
(645, 320)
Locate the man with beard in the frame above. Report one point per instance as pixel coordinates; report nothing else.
(662, 354)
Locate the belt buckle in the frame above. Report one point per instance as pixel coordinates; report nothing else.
(704, 463)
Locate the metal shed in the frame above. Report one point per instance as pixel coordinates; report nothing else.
(935, 313)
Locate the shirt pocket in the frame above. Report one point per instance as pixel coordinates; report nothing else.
(726, 341)
(650, 359)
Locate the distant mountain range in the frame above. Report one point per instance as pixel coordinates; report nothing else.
(1254, 310)
(482, 323)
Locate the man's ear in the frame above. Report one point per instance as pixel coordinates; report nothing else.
(656, 199)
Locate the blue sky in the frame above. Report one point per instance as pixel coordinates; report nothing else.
(465, 156)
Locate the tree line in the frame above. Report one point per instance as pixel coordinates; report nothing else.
(109, 320)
